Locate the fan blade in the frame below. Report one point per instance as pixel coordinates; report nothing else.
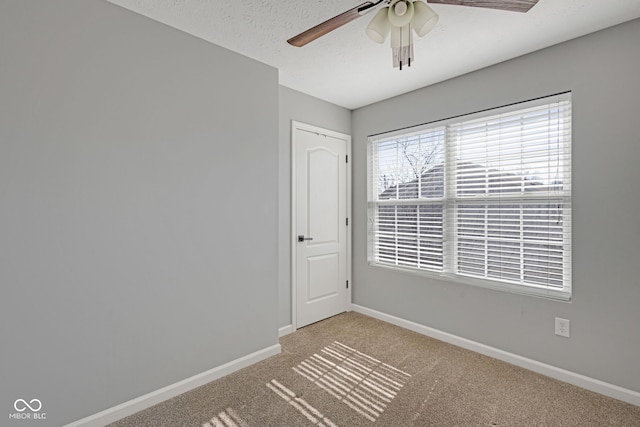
(510, 5)
(329, 25)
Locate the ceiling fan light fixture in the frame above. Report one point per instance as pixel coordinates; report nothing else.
(379, 27)
(400, 8)
(424, 18)
(405, 16)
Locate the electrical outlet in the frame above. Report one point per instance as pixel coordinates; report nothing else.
(563, 327)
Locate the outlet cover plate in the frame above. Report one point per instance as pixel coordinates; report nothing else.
(563, 327)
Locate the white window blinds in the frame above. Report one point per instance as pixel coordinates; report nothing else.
(483, 199)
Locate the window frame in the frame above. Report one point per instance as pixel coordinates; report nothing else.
(450, 201)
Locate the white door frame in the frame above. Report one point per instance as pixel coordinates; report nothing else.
(320, 131)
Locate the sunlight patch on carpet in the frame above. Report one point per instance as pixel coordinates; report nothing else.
(226, 418)
(311, 413)
(365, 384)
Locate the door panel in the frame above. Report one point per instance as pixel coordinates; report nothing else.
(323, 276)
(323, 195)
(320, 212)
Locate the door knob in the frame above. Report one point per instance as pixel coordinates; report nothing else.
(301, 238)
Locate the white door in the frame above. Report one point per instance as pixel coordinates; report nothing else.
(320, 223)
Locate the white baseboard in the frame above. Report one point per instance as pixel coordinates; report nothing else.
(285, 330)
(597, 386)
(143, 402)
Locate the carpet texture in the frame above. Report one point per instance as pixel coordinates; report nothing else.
(352, 370)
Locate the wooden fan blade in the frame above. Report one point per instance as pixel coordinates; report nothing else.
(327, 26)
(511, 5)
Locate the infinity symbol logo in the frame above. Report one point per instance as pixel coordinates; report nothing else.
(21, 405)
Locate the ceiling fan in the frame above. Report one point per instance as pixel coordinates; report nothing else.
(400, 17)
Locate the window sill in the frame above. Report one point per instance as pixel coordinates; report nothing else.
(539, 292)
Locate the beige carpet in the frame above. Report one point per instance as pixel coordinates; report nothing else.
(352, 370)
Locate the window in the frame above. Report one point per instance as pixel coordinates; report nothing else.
(483, 199)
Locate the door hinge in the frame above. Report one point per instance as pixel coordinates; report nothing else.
(347, 284)
(347, 221)
(347, 158)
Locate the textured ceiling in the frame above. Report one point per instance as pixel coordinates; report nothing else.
(348, 69)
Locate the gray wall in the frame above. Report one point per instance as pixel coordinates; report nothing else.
(139, 199)
(303, 108)
(602, 72)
